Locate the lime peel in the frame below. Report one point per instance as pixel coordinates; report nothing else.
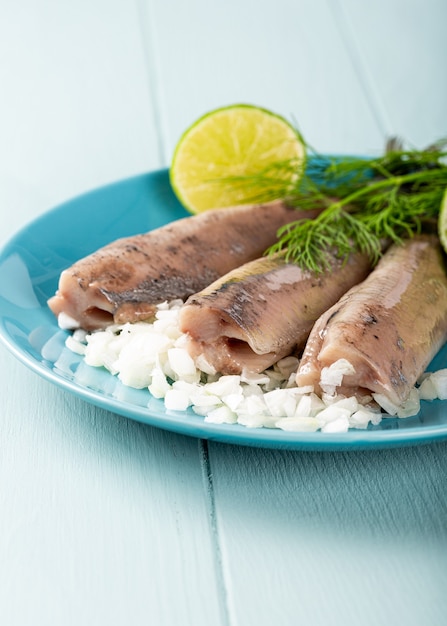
(234, 143)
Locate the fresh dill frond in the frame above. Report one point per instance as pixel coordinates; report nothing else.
(312, 243)
(363, 202)
(277, 180)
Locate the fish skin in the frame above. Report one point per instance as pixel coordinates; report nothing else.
(126, 279)
(263, 311)
(389, 327)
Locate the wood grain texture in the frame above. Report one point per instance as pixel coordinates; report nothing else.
(333, 538)
(287, 56)
(103, 520)
(397, 47)
(76, 107)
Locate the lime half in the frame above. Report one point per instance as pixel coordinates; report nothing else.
(230, 156)
(442, 222)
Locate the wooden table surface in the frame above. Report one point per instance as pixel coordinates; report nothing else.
(105, 521)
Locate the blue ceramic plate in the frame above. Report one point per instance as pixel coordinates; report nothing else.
(29, 270)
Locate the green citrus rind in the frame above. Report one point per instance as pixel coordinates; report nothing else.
(238, 140)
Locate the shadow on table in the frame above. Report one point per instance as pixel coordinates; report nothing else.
(392, 493)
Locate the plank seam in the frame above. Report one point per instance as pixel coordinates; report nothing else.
(214, 531)
(360, 67)
(148, 42)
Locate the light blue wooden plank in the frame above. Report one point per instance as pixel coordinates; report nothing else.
(287, 56)
(399, 49)
(333, 538)
(75, 109)
(103, 520)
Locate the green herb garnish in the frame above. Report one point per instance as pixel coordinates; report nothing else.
(365, 201)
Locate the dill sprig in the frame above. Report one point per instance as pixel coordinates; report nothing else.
(278, 180)
(363, 202)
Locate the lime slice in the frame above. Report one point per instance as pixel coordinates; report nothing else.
(442, 222)
(229, 156)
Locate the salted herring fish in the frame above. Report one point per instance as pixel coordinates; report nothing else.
(125, 280)
(388, 328)
(262, 311)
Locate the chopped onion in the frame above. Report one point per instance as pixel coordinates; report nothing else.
(154, 355)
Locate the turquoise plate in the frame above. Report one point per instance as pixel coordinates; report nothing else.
(30, 265)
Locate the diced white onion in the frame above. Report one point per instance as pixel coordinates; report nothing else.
(75, 346)
(176, 400)
(155, 355)
(298, 424)
(66, 322)
(436, 381)
(332, 376)
(221, 415)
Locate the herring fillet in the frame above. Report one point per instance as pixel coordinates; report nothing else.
(389, 327)
(124, 280)
(263, 311)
